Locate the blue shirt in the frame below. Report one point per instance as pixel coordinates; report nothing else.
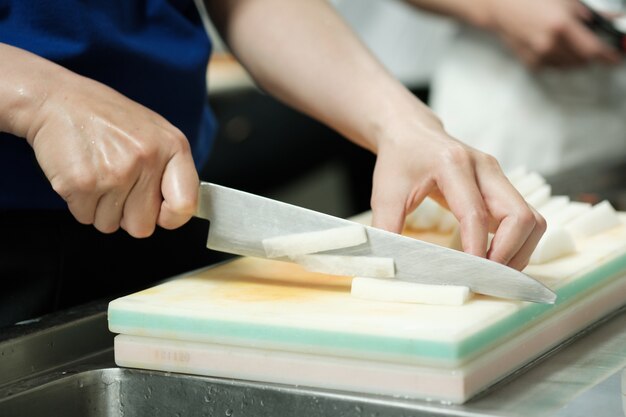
(152, 51)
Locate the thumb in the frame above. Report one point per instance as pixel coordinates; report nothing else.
(179, 187)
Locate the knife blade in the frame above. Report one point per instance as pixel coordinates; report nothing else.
(239, 221)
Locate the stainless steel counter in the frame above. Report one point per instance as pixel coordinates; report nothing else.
(63, 365)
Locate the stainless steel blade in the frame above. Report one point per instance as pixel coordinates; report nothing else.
(240, 221)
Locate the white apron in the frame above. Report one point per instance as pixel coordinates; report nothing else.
(549, 121)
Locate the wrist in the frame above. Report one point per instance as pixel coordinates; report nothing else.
(480, 14)
(406, 117)
(24, 90)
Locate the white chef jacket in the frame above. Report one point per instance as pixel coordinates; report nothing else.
(549, 120)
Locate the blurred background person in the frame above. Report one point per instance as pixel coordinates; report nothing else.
(526, 81)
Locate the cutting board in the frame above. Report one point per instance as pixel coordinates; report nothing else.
(279, 316)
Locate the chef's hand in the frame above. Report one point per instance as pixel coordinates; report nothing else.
(548, 32)
(422, 160)
(115, 162)
(336, 80)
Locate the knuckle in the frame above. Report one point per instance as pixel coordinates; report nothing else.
(176, 139)
(545, 45)
(143, 153)
(457, 154)
(526, 218)
(557, 27)
(140, 231)
(82, 216)
(543, 48)
(490, 162)
(185, 206)
(74, 182)
(540, 223)
(107, 228)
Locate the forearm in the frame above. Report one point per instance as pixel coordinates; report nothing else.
(475, 12)
(302, 52)
(23, 89)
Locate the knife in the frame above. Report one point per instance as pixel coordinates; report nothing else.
(239, 221)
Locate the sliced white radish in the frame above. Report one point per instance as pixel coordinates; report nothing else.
(529, 183)
(555, 243)
(447, 222)
(517, 173)
(394, 290)
(553, 205)
(599, 218)
(369, 266)
(540, 196)
(426, 216)
(318, 241)
(364, 218)
(571, 211)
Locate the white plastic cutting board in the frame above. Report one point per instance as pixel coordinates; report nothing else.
(261, 304)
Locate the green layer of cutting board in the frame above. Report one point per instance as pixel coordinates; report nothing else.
(275, 305)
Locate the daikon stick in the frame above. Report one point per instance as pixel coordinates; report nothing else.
(573, 210)
(599, 218)
(540, 196)
(529, 183)
(556, 242)
(370, 266)
(554, 205)
(408, 292)
(312, 242)
(517, 173)
(426, 216)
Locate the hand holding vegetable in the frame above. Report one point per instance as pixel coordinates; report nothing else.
(420, 159)
(115, 162)
(336, 80)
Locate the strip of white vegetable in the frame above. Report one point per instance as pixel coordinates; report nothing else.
(556, 242)
(311, 242)
(540, 196)
(599, 218)
(554, 205)
(426, 216)
(370, 266)
(529, 183)
(408, 292)
(571, 211)
(517, 173)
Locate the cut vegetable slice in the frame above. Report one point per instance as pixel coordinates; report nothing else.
(529, 183)
(370, 266)
(408, 292)
(426, 216)
(599, 218)
(312, 242)
(517, 174)
(571, 211)
(554, 205)
(555, 243)
(540, 196)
